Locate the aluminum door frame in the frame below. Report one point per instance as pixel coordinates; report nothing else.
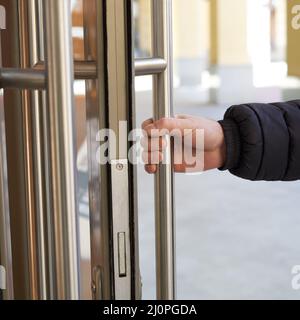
(60, 278)
(114, 223)
(114, 103)
(6, 285)
(14, 136)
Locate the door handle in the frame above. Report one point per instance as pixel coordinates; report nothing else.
(35, 78)
(164, 180)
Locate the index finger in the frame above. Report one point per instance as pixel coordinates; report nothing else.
(146, 123)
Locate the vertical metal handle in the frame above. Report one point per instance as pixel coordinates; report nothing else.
(37, 106)
(60, 72)
(112, 188)
(163, 105)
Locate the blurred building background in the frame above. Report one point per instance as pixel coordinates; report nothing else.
(236, 239)
(225, 47)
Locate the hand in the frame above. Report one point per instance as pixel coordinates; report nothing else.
(154, 144)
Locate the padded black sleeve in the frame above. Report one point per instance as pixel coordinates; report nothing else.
(263, 141)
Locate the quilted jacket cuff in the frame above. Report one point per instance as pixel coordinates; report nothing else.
(233, 144)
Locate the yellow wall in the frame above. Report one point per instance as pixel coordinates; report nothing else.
(213, 23)
(191, 28)
(144, 24)
(293, 51)
(232, 32)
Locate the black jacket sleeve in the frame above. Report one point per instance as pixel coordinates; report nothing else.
(263, 141)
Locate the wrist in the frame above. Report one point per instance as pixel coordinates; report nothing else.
(215, 157)
(222, 154)
(221, 149)
(232, 144)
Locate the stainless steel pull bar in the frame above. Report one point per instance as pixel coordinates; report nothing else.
(83, 70)
(149, 66)
(59, 51)
(87, 70)
(35, 78)
(38, 151)
(164, 203)
(22, 79)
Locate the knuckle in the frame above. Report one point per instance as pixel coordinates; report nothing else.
(163, 122)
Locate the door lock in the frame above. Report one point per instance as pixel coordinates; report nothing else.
(122, 254)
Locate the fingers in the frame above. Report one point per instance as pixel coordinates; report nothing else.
(178, 168)
(161, 127)
(164, 126)
(154, 141)
(152, 160)
(153, 152)
(153, 147)
(154, 144)
(146, 123)
(152, 157)
(185, 132)
(151, 168)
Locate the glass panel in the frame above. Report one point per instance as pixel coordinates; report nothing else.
(146, 201)
(77, 31)
(232, 234)
(82, 163)
(142, 25)
(143, 86)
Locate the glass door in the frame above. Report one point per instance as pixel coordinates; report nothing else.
(69, 102)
